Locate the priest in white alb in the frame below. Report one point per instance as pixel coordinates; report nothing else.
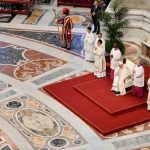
(138, 82)
(115, 56)
(121, 74)
(100, 62)
(89, 45)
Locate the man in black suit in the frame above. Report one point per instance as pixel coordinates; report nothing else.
(95, 13)
(107, 2)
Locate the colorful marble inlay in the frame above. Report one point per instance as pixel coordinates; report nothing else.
(35, 67)
(80, 19)
(40, 125)
(23, 64)
(133, 130)
(6, 143)
(35, 16)
(144, 148)
(52, 38)
(12, 55)
(77, 18)
(37, 122)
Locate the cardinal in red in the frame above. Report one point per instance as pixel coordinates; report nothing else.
(67, 25)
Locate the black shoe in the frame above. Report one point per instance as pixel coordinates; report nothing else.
(113, 91)
(63, 46)
(68, 48)
(117, 92)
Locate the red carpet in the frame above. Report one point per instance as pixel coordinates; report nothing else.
(98, 118)
(147, 72)
(99, 91)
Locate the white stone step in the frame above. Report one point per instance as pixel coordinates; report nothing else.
(47, 18)
(18, 19)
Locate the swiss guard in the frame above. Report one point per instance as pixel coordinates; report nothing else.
(67, 25)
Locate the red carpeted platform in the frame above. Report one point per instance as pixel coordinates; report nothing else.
(101, 120)
(147, 72)
(99, 91)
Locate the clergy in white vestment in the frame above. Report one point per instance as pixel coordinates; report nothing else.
(138, 81)
(89, 45)
(148, 99)
(99, 37)
(115, 56)
(121, 73)
(100, 62)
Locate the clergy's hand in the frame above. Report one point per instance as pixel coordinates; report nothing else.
(93, 14)
(111, 56)
(148, 84)
(56, 21)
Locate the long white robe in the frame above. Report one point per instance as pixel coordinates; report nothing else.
(100, 63)
(148, 99)
(138, 76)
(103, 42)
(116, 58)
(89, 46)
(121, 74)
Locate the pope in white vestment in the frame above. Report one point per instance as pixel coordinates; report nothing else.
(138, 82)
(89, 45)
(120, 75)
(115, 56)
(100, 63)
(148, 99)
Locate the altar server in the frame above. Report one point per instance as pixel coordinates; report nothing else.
(100, 63)
(89, 45)
(120, 75)
(67, 25)
(115, 56)
(100, 37)
(138, 82)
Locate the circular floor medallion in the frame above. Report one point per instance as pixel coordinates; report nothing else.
(77, 142)
(14, 104)
(58, 143)
(23, 97)
(38, 122)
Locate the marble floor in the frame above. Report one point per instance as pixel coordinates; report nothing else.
(30, 58)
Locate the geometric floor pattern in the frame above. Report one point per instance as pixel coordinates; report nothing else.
(6, 142)
(40, 125)
(30, 58)
(23, 64)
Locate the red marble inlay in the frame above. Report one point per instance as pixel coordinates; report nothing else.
(35, 63)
